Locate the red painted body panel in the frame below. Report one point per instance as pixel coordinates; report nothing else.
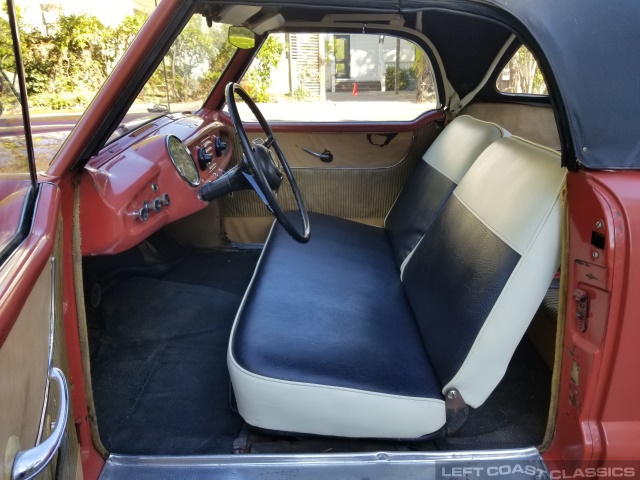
(21, 270)
(120, 179)
(599, 388)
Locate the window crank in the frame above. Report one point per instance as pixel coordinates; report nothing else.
(325, 156)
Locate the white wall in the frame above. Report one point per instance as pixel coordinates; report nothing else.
(365, 55)
(364, 58)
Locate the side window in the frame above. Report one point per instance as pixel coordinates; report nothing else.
(13, 151)
(522, 75)
(17, 169)
(340, 78)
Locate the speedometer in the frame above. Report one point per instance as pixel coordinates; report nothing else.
(183, 161)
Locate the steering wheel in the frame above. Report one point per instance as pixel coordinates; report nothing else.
(263, 173)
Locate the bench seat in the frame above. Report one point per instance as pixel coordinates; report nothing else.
(330, 320)
(333, 338)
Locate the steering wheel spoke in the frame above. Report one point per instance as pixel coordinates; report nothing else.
(252, 181)
(265, 175)
(269, 141)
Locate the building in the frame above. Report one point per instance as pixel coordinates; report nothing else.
(336, 62)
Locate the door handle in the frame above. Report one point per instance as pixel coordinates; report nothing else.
(29, 463)
(325, 156)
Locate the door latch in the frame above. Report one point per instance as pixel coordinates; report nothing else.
(582, 308)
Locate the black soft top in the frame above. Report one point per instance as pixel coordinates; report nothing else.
(593, 49)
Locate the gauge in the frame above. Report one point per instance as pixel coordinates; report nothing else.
(183, 161)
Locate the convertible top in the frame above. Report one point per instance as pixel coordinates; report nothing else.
(590, 46)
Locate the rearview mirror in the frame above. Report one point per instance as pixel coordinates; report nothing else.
(242, 37)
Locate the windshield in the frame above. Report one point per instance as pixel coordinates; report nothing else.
(185, 77)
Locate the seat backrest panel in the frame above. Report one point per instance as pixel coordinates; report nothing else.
(486, 262)
(431, 184)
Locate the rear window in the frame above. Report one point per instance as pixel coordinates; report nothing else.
(522, 75)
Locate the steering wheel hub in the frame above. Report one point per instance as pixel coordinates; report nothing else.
(270, 169)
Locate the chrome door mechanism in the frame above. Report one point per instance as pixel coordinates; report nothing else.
(29, 463)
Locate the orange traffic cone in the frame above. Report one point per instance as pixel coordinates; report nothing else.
(355, 90)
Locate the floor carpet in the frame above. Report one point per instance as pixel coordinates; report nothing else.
(158, 357)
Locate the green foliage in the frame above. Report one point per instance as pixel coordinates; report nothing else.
(67, 65)
(192, 66)
(9, 96)
(390, 79)
(258, 78)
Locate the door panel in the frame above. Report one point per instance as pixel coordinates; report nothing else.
(361, 187)
(37, 432)
(32, 343)
(24, 361)
(349, 149)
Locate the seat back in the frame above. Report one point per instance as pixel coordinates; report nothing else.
(476, 279)
(431, 184)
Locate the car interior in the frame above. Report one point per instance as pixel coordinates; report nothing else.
(404, 298)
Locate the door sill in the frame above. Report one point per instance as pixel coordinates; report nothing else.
(518, 463)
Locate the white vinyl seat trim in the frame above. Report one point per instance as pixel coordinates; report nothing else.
(460, 144)
(533, 230)
(290, 406)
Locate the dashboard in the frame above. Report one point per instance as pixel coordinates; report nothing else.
(149, 178)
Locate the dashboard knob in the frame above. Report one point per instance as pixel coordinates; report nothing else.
(204, 158)
(143, 213)
(166, 199)
(219, 146)
(158, 203)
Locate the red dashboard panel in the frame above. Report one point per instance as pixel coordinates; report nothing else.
(137, 171)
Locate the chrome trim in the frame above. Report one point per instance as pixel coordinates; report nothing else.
(320, 458)
(401, 465)
(29, 463)
(52, 326)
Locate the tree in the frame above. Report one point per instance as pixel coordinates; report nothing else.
(425, 84)
(258, 78)
(524, 75)
(9, 95)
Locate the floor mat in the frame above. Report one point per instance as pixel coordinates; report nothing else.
(158, 357)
